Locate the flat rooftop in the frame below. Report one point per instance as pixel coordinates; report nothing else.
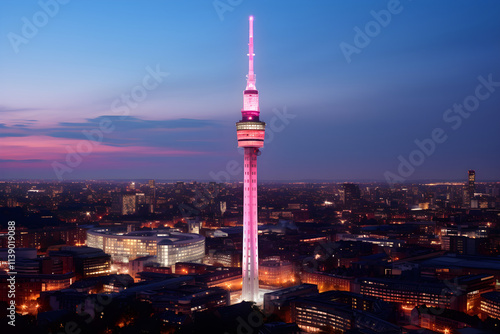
(463, 262)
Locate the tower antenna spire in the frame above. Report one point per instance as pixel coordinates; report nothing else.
(251, 74)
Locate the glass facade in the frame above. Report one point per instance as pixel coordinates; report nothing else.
(173, 250)
(170, 247)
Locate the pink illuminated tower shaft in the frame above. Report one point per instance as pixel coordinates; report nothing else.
(250, 131)
(250, 288)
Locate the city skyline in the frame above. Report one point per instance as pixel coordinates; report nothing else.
(356, 99)
(415, 257)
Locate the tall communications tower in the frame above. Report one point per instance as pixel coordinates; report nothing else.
(250, 131)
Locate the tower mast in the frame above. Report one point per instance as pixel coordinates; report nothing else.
(251, 74)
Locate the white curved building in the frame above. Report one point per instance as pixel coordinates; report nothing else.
(181, 248)
(169, 247)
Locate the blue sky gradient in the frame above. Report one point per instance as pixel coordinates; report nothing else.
(352, 119)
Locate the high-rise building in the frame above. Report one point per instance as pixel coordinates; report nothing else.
(250, 131)
(472, 188)
(350, 194)
(223, 208)
(152, 195)
(469, 189)
(124, 203)
(472, 180)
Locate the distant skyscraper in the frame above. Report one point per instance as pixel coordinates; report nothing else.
(350, 194)
(250, 131)
(124, 203)
(470, 189)
(223, 208)
(472, 181)
(152, 195)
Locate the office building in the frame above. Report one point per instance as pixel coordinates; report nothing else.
(275, 272)
(88, 261)
(124, 203)
(490, 305)
(350, 195)
(169, 247)
(278, 302)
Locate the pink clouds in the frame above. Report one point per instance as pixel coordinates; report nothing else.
(75, 150)
(50, 149)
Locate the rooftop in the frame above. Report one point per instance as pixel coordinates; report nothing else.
(292, 289)
(492, 295)
(482, 262)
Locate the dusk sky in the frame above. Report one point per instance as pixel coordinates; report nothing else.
(344, 95)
